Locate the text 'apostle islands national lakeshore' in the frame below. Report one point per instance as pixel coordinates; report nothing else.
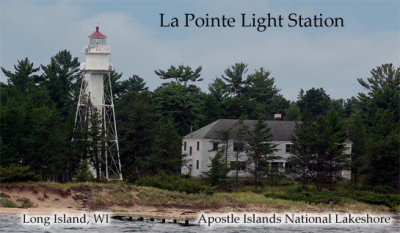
(259, 22)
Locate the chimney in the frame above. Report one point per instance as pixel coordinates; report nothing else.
(277, 117)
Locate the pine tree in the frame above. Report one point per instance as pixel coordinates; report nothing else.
(234, 78)
(218, 171)
(24, 77)
(166, 155)
(259, 149)
(240, 134)
(380, 109)
(182, 74)
(303, 148)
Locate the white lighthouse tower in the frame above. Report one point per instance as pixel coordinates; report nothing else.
(96, 97)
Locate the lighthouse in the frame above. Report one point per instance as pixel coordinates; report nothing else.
(95, 104)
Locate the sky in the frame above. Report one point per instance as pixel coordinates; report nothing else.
(298, 57)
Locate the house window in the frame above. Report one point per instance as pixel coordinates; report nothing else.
(198, 146)
(241, 165)
(275, 166)
(197, 164)
(237, 147)
(184, 146)
(288, 148)
(215, 146)
(190, 150)
(263, 166)
(288, 166)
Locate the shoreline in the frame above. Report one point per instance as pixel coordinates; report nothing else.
(139, 201)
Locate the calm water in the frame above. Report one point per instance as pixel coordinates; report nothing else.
(12, 223)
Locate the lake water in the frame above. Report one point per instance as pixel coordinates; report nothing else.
(12, 223)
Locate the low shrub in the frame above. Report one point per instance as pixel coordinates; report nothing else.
(390, 200)
(7, 203)
(15, 173)
(83, 173)
(378, 189)
(308, 197)
(175, 183)
(338, 196)
(26, 202)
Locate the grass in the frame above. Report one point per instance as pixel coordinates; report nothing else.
(7, 203)
(125, 195)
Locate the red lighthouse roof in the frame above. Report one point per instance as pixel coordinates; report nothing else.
(98, 34)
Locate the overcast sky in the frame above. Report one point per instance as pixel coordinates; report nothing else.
(299, 58)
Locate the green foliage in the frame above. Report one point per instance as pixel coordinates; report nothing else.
(259, 149)
(339, 196)
(38, 107)
(357, 134)
(318, 149)
(136, 127)
(390, 200)
(83, 173)
(96, 137)
(316, 101)
(25, 202)
(134, 83)
(182, 104)
(309, 197)
(292, 113)
(175, 183)
(261, 87)
(15, 173)
(218, 171)
(7, 203)
(37, 114)
(24, 77)
(234, 78)
(380, 113)
(182, 74)
(166, 155)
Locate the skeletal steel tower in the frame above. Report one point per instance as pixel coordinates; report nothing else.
(96, 97)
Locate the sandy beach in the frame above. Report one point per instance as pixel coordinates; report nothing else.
(144, 202)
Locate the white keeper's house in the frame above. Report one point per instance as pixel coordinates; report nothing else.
(201, 146)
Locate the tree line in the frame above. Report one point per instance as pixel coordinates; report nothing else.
(38, 105)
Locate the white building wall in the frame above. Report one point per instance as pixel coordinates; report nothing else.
(205, 154)
(97, 61)
(96, 89)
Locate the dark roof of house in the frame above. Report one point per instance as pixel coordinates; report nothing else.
(281, 130)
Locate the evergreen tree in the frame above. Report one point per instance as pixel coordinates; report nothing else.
(117, 87)
(180, 103)
(136, 128)
(293, 113)
(240, 136)
(134, 83)
(182, 74)
(260, 86)
(383, 150)
(332, 139)
(380, 109)
(234, 78)
(218, 171)
(60, 79)
(166, 155)
(357, 135)
(303, 148)
(24, 77)
(83, 173)
(260, 150)
(96, 139)
(314, 100)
